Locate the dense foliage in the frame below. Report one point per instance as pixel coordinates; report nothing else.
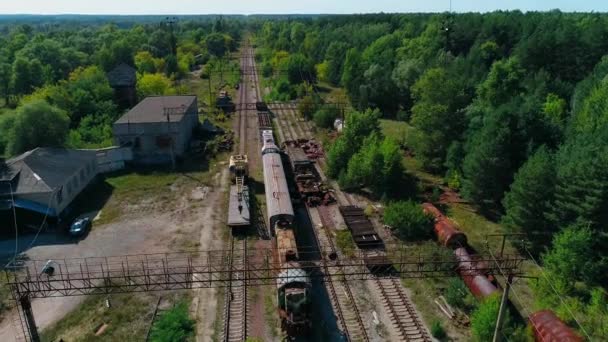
(65, 64)
(511, 107)
(174, 325)
(408, 220)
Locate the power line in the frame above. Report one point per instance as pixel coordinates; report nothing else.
(557, 293)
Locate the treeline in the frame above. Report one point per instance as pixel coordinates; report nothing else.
(511, 108)
(61, 72)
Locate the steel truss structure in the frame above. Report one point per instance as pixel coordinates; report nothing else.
(204, 269)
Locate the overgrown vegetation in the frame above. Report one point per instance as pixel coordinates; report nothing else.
(408, 220)
(174, 325)
(344, 241)
(508, 107)
(128, 317)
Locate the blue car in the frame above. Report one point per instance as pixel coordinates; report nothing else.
(80, 226)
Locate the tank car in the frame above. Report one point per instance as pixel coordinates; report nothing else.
(546, 326)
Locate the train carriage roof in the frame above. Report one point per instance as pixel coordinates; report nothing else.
(292, 275)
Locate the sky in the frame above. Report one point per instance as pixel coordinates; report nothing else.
(286, 6)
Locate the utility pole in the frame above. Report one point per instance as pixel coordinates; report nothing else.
(503, 308)
(170, 22)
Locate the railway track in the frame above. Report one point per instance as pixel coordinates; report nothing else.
(236, 306)
(401, 311)
(235, 320)
(341, 295)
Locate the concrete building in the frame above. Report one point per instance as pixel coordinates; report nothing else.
(159, 128)
(45, 181)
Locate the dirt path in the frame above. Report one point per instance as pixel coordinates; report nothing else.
(205, 301)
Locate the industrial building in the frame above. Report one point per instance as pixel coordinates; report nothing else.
(159, 128)
(45, 181)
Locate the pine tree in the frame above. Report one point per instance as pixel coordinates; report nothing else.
(530, 196)
(582, 181)
(487, 165)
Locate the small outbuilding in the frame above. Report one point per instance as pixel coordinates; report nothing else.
(159, 128)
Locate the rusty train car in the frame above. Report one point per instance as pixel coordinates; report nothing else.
(546, 326)
(293, 283)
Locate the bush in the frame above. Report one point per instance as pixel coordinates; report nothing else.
(174, 325)
(437, 330)
(408, 219)
(325, 117)
(483, 319)
(458, 295)
(345, 242)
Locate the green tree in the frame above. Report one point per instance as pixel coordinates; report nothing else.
(334, 57)
(436, 116)
(216, 44)
(307, 106)
(7, 121)
(5, 81)
(408, 220)
(581, 192)
(154, 84)
(530, 197)
(26, 75)
(37, 124)
(487, 167)
(483, 319)
(358, 126)
(300, 69)
(326, 116)
(352, 76)
(503, 82)
(572, 257)
(146, 63)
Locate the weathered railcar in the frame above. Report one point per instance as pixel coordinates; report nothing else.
(294, 299)
(547, 327)
(278, 202)
(360, 226)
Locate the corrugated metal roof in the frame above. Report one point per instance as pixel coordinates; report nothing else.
(152, 109)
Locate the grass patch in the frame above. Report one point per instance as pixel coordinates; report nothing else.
(270, 311)
(174, 325)
(5, 295)
(128, 319)
(344, 240)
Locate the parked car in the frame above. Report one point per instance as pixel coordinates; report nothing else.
(80, 226)
(48, 268)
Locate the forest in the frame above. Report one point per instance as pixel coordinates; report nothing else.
(509, 108)
(53, 85)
